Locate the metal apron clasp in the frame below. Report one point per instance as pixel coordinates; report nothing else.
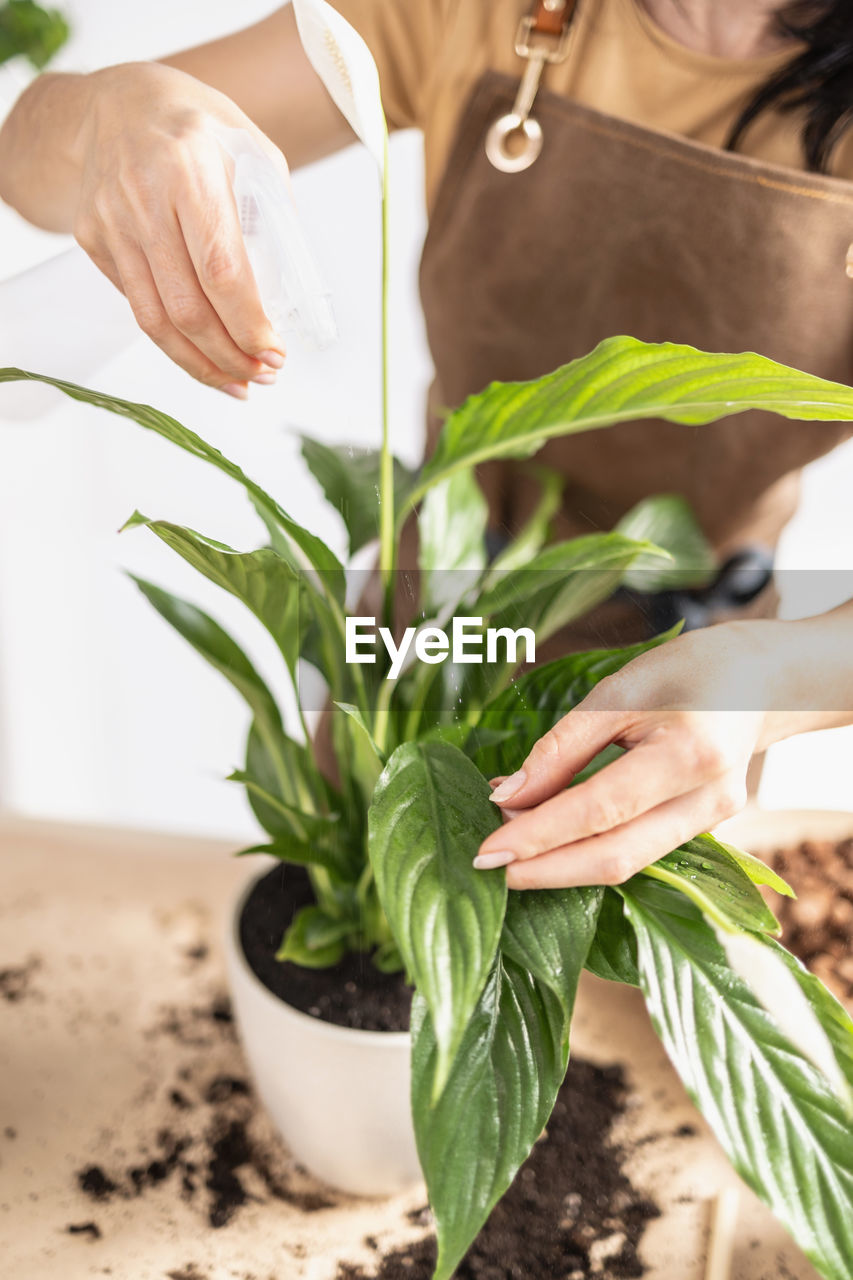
(515, 140)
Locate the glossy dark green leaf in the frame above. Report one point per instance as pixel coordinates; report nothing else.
(706, 872)
(623, 380)
(314, 552)
(536, 700)
(350, 480)
(430, 813)
(613, 953)
(510, 1065)
(780, 1119)
(668, 521)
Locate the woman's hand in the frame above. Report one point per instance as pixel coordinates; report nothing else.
(689, 714)
(156, 213)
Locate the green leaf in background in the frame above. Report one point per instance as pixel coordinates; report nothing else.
(430, 813)
(613, 952)
(285, 769)
(315, 553)
(778, 1117)
(538, 699)
(668, 521)
(561, 583)
(262, 580)
(28, 30)
(349, 478)
(706, 871)
(315, 939)
(535, 532)
(510, 1065)
(451, 540)
(621, 380)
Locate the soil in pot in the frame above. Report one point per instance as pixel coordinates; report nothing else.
(818, 924)
(350, 994)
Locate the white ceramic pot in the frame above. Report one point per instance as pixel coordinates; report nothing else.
(338, 1097)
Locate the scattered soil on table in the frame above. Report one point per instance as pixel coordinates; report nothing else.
(90, 1229)
(571, 1212)
(206, 1135)
(818, 925)
(350, 994)
(16, 980)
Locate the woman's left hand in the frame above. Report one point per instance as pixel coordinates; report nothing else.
(688, 715)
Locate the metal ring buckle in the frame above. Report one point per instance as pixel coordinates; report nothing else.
(529, 135)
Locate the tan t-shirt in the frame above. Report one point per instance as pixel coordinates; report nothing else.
(430, 53)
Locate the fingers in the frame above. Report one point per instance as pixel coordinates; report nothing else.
(137, 283)
(560, 755)
(638, 781)
(210, 228)
(613, 858)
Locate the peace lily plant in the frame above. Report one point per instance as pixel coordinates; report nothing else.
(389, 847)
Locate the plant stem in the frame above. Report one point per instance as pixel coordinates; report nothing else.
(387, 530)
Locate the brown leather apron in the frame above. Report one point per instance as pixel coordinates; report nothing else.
(617, 229)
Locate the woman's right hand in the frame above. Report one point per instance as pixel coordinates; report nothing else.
(156, 213)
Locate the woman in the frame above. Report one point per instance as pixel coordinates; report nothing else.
(598, 201)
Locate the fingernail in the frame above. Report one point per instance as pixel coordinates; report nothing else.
(265, 379)
(509, 786)
(488, 861)
(236, 389)
(274, 359)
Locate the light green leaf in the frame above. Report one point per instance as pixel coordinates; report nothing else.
(706, 872)
(452, 548)
(314, 940)
(350, 480)
(777, 1116)
(758, 871)
(270, 587)
(29, 30)
(364, 729)
(538, 699)
(624, 379)
(285, 769)
(510, 1065)
(314, 552)
(668, 521)
(430, 813)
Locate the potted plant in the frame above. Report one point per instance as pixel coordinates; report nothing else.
(386, 850)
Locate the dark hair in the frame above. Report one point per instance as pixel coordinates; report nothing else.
(819, 79)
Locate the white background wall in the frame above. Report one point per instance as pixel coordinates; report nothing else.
(105, 715)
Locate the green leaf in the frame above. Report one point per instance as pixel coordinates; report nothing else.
(314, 940)
(350, 480)
(285, 769)
(29, 30)
(624, 379)
(451, 540)
(779, 1119)
(387, 959)
(536, 700)
(758, 871)
(430, 813)
(613, 953)
(561, 583)
(668, 521)
(270, 587)
(533, 536)
(510, 1065)
(363, 728)
(706, 872)
(315, 553)
(216, 646)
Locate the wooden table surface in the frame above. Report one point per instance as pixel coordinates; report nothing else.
(115, 1045)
